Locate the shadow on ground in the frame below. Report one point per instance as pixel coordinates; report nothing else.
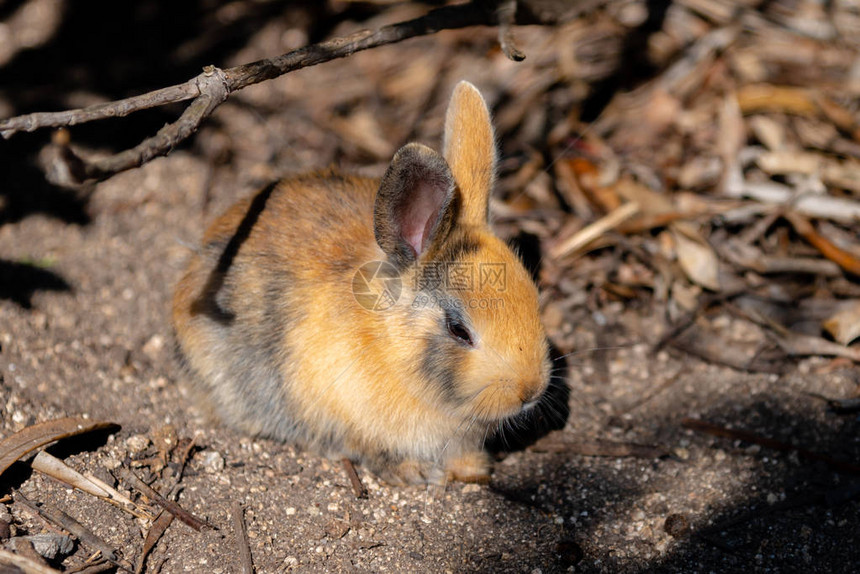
(790, 514)
(19, 281)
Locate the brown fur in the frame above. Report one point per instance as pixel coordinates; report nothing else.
(270, 330)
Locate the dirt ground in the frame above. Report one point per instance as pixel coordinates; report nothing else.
(86, 279)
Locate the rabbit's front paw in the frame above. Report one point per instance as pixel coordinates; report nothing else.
(413, 472)
(470, 467)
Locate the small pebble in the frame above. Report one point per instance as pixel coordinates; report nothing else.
(212, 461)
(676, 525)
(153, 346)
(136, 444)
(336, 529)
(5, 525)
(47, 545)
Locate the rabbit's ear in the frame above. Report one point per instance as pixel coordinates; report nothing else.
(414, 208)
(470, 150)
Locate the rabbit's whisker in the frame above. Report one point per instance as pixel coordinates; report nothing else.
(592, 350)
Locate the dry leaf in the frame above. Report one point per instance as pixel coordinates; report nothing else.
(845, 325)
(59, 470)
(23, 442)
(650, 202)
(804, 345)
(697, 259)
(363, 131)
(769, 132)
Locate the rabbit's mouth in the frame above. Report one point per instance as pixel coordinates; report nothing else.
(527, 406)
(494, 406)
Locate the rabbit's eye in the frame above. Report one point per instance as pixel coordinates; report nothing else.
(459, 331)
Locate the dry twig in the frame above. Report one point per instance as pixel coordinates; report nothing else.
(827, 248)
(176, 510)
(214, 85)
(23, 564)
(507, 12)
(76, 529)
(357, 487)
(559, 442)
(164, 518)
(594, 230)
(242, 538)
(153, 535)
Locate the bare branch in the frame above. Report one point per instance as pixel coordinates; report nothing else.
(117, 109)
(213, 91)
(445, 18)
(507, 12)
(65, 167)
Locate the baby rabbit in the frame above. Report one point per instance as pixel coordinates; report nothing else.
(379, 320)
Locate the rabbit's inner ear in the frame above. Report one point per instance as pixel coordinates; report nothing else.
(419, 217)
(413, 209)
